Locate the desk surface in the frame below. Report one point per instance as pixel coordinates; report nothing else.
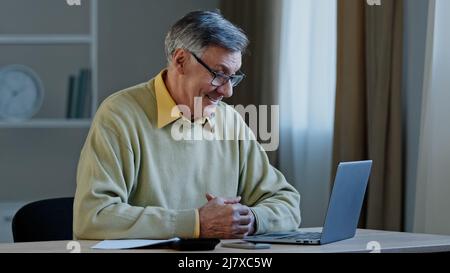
(388, 242)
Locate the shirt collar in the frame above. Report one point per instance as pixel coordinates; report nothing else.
(166, 106)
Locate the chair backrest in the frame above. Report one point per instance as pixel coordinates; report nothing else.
(45, 220)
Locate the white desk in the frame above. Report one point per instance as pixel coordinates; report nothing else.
(388, 242)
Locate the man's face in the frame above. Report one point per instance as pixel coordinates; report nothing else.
(199, 79)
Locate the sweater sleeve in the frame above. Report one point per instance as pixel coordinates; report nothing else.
(274, 202)
(106, 177)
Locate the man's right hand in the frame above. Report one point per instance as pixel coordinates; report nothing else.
(224, 218)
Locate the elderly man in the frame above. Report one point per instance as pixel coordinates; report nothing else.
(137, 180)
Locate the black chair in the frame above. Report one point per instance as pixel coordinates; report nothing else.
(45, 220)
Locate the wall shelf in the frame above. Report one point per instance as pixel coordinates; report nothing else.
(47, 124)
(89, 39)
(45, 39)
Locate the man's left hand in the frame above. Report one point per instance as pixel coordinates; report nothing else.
(236, 200)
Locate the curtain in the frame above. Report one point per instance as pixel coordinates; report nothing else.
(292, 62)
(432, 185)
(307, 93)
(368, 104)
(261, 20)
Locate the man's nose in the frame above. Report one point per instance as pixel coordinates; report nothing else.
(225, 90)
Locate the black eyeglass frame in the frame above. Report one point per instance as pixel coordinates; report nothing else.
(223, 79)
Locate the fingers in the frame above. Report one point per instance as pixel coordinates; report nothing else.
(242, 210)
(241, 230)
(209, 196)
(225, 221)
(244, 220)
(226, 201)
(230, 201)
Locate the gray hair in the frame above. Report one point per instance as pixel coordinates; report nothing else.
(199, 29)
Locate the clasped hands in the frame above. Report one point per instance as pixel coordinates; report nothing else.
(225, 218)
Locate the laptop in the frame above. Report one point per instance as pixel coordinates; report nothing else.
(343, 210)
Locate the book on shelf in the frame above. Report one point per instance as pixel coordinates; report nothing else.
(71, 97)
(79, 98)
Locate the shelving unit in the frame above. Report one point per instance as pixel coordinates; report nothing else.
(45, 39)
(47, 123)
(91, 40)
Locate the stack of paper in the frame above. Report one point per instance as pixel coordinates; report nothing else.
(126, 244)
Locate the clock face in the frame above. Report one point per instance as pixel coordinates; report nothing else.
(21, 93)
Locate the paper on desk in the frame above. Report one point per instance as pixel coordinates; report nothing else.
(125, 244)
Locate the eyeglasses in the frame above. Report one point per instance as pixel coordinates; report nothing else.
(220, 79)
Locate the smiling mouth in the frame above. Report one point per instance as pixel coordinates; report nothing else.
(215, 100)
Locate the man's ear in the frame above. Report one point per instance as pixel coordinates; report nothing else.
(179, 60)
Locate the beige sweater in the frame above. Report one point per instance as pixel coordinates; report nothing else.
(136, 181)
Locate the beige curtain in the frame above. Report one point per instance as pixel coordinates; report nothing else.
(261, 20)
(368, 104)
